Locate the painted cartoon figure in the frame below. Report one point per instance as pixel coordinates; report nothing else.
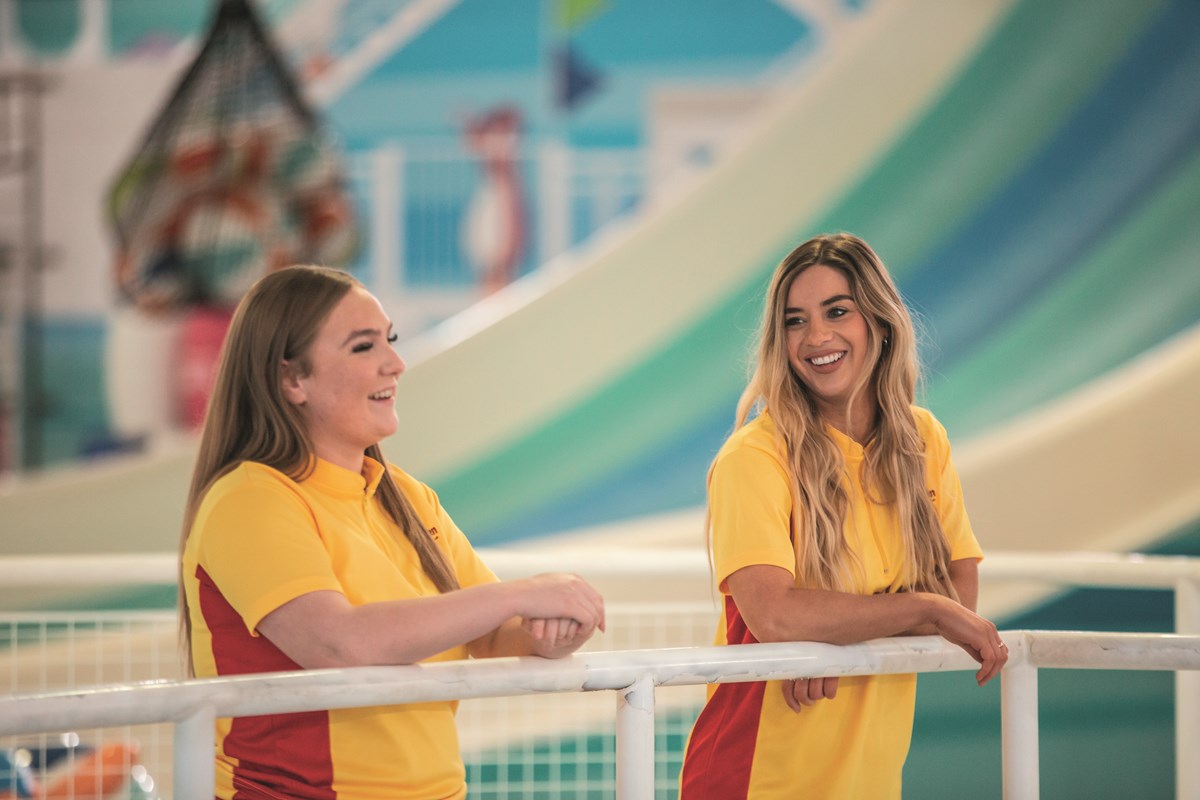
(493, 228)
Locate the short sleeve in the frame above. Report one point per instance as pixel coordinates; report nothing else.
(947, 494)
(258, 541)
(750, 508)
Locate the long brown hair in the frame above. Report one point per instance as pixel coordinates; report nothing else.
(894, 466)
(249, 419)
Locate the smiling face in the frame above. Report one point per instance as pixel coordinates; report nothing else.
(828, 343)
(347, 396)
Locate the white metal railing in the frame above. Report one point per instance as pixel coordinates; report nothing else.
(1180, 574)
(193, 706)
(1113, 570)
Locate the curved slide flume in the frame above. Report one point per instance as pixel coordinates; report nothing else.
(1112, 156)
(1031, 94)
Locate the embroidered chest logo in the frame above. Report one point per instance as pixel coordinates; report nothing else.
(933, 495)
(433, 533)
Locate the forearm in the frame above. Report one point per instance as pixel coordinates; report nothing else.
(775, 610)
(815, 615)
(509, 639)
(323, 629)
(964, 574)
(419, 628)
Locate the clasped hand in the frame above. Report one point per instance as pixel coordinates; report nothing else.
(563, 612)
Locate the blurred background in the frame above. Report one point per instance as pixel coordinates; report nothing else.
(570, 209)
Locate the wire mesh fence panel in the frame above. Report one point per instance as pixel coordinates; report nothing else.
(69, 650)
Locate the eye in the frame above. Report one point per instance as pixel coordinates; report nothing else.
(792, 321)
(393, 338)
(838, 311)
(361, 347)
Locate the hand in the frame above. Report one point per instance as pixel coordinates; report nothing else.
(972, 633)
(806, 691)
(554, 638)
(560, 597)
(551, 631)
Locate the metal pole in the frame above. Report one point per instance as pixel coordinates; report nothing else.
(635, 741)
(1187, 696)
(387, 220)
(1019, 731)
(33, 415)
(195, 749)
(554, 200)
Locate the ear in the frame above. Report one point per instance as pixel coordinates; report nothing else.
(290, 381)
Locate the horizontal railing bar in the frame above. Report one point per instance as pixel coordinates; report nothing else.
(104, 617)
(1071, 569)
(250, 695)
(1111, 570)
(133, 569)
(109, 617)
(1085, 650)
(310, 690)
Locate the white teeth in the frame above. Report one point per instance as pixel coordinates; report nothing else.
(821, 361)
(384, 395)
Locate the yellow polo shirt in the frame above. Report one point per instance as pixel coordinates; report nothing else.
(747, 742)
(261, 539)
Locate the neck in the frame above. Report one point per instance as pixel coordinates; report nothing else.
(858, 422)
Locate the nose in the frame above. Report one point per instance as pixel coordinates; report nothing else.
(395, 364)
(817, 332)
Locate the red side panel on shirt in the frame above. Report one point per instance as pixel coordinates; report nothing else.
(279, 755)
(721, 750)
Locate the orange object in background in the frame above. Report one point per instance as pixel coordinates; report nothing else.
(200, 339)
(93, 775)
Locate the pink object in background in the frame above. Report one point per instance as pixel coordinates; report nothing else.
(202, 333)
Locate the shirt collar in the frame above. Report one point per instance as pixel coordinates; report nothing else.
(340, 480)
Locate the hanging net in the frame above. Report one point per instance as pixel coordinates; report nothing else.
(234, 179)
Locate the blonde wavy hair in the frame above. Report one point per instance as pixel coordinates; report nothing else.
(894, 466)
(249, 419)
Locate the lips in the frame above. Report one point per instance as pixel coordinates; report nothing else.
(386, 394)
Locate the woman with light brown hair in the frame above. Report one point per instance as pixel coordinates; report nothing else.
(835, 515)
(303, 548)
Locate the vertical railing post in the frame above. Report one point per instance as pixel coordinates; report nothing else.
(635, 740)
(12, 48)
(554, 200)
(387, 173)
(1187, 696)
(1019, 730)
(91, 46)
(195, 747)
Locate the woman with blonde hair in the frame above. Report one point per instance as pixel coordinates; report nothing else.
(835, 515)
(303, 548)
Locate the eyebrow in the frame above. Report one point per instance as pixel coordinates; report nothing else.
(836, 298)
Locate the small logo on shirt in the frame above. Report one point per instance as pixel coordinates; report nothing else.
(933, 495)
(433, 533)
